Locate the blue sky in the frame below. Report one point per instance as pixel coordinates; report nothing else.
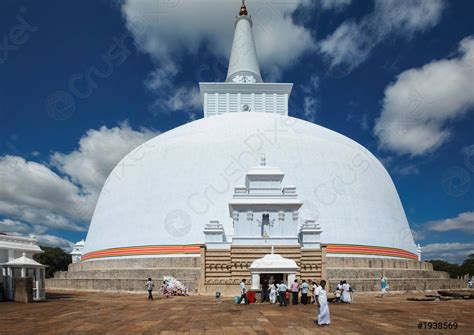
(396, 76)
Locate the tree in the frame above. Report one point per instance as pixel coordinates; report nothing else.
(440, 265)
(56, 259)
(467, 266)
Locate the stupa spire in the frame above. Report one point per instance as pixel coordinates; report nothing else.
(243, 63)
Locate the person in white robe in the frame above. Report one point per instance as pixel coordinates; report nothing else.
(338, 292)
(324, 317)
(273, 292)
(315, 286)
(346, 295)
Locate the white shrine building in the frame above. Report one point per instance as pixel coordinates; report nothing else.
(16, 261)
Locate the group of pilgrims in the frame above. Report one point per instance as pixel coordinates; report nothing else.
(311, 292)
(304, 292)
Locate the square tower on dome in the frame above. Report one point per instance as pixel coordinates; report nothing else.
(244, 89)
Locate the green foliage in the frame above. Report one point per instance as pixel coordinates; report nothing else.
(468, 265)
(455, 270)
(440, 265)
(56, 259)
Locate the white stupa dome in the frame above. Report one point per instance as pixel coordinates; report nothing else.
(162, 194)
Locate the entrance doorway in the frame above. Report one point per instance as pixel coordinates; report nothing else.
(268, 278)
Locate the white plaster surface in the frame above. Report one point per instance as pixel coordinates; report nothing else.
(166, 190)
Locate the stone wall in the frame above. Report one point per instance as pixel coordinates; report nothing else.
(221, 271)
(136, 263)
(364, 273)
(383, 263)
(126, 274)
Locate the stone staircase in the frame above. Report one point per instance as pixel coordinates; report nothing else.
(126, 274)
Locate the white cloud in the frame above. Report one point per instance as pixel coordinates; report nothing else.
(54, 241)
(335, 4)
(184, 98)
(419, 104)
(468, 150)
(33, 193)
(98, 153)
(17, 228)
(405, 170)
(451, 252)
(34, 198)
(166, 30)
(12, 226)
(361, 119)
(463, 222)
(351, 43)
(310, 107)
(311, 100)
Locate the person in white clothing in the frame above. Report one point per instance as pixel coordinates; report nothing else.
(346, 295)
(315, 286)
(243, 292)
(338, 292)
(324, 317)
(149, 286)
(273, 292)
(304, 292)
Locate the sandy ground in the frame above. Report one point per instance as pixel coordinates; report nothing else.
(100, 313)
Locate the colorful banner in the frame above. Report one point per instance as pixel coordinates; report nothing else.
(142, 251)
(195, 249)
(369, 250)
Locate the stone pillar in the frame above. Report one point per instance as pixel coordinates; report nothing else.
(291, 278)
(255, 281)
(23, 290)
(37, 284)
(9, 283)
(323, 267)
(418, 251)
(202, 277)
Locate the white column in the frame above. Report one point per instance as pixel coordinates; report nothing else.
(9, 284)
(255, 281)
(418, 251)
(23, 272)
(205, 104)
(291, 278)
(36, 293)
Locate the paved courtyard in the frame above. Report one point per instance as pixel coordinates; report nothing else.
(99, 313)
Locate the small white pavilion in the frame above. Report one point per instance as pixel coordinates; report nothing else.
(273, 264)
(23, 267)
